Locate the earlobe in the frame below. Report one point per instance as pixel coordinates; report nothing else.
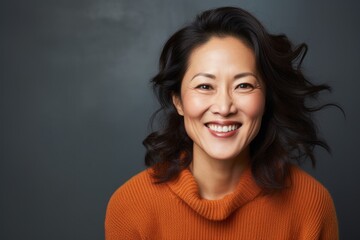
(177, 103)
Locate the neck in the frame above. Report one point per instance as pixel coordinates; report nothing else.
(217, 177)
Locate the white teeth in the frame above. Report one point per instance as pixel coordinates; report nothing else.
(218, 128)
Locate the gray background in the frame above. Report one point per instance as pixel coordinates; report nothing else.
(75, 102)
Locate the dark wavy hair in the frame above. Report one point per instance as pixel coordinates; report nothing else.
(288, 132)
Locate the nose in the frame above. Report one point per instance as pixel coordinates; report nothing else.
(223, 104)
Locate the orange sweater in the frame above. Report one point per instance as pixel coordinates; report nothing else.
(174, 210)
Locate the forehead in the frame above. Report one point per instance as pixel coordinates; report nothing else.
(222, 57)
(223, 50)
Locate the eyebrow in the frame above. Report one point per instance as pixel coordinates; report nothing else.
(240, 75)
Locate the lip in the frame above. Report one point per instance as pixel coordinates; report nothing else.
(224, 123)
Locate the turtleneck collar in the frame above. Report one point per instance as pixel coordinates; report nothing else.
(186, 188)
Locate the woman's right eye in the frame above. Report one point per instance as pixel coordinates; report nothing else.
(204, 87)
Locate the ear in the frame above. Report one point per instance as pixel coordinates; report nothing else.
(178, 105)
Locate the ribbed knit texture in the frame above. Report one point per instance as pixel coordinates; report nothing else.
(142, 210)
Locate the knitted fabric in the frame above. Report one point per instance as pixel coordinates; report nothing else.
(141, 209)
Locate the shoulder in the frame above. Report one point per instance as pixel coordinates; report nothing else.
(131, 206)
(312, 204)
(136, 185)
(305, 186)
(135, 192)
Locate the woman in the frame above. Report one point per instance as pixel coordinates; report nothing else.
(236, 116)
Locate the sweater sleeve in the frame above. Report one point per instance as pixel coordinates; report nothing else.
(321, 222)
(329, 229)
(119, 219)
(315, 208)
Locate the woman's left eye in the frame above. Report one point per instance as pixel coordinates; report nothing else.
(245, 86)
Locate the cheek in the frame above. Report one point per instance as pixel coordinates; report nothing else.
(253, 105)
(194, 105)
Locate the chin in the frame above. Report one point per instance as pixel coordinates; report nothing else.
(227, 152)
(224, 156)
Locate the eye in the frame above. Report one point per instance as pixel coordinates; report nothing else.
(245, 86)
(204, 87)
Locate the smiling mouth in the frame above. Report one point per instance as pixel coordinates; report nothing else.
(223, 128)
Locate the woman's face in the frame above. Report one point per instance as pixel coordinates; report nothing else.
(222, 98)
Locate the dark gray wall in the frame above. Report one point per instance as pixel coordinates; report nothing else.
(75, 101)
